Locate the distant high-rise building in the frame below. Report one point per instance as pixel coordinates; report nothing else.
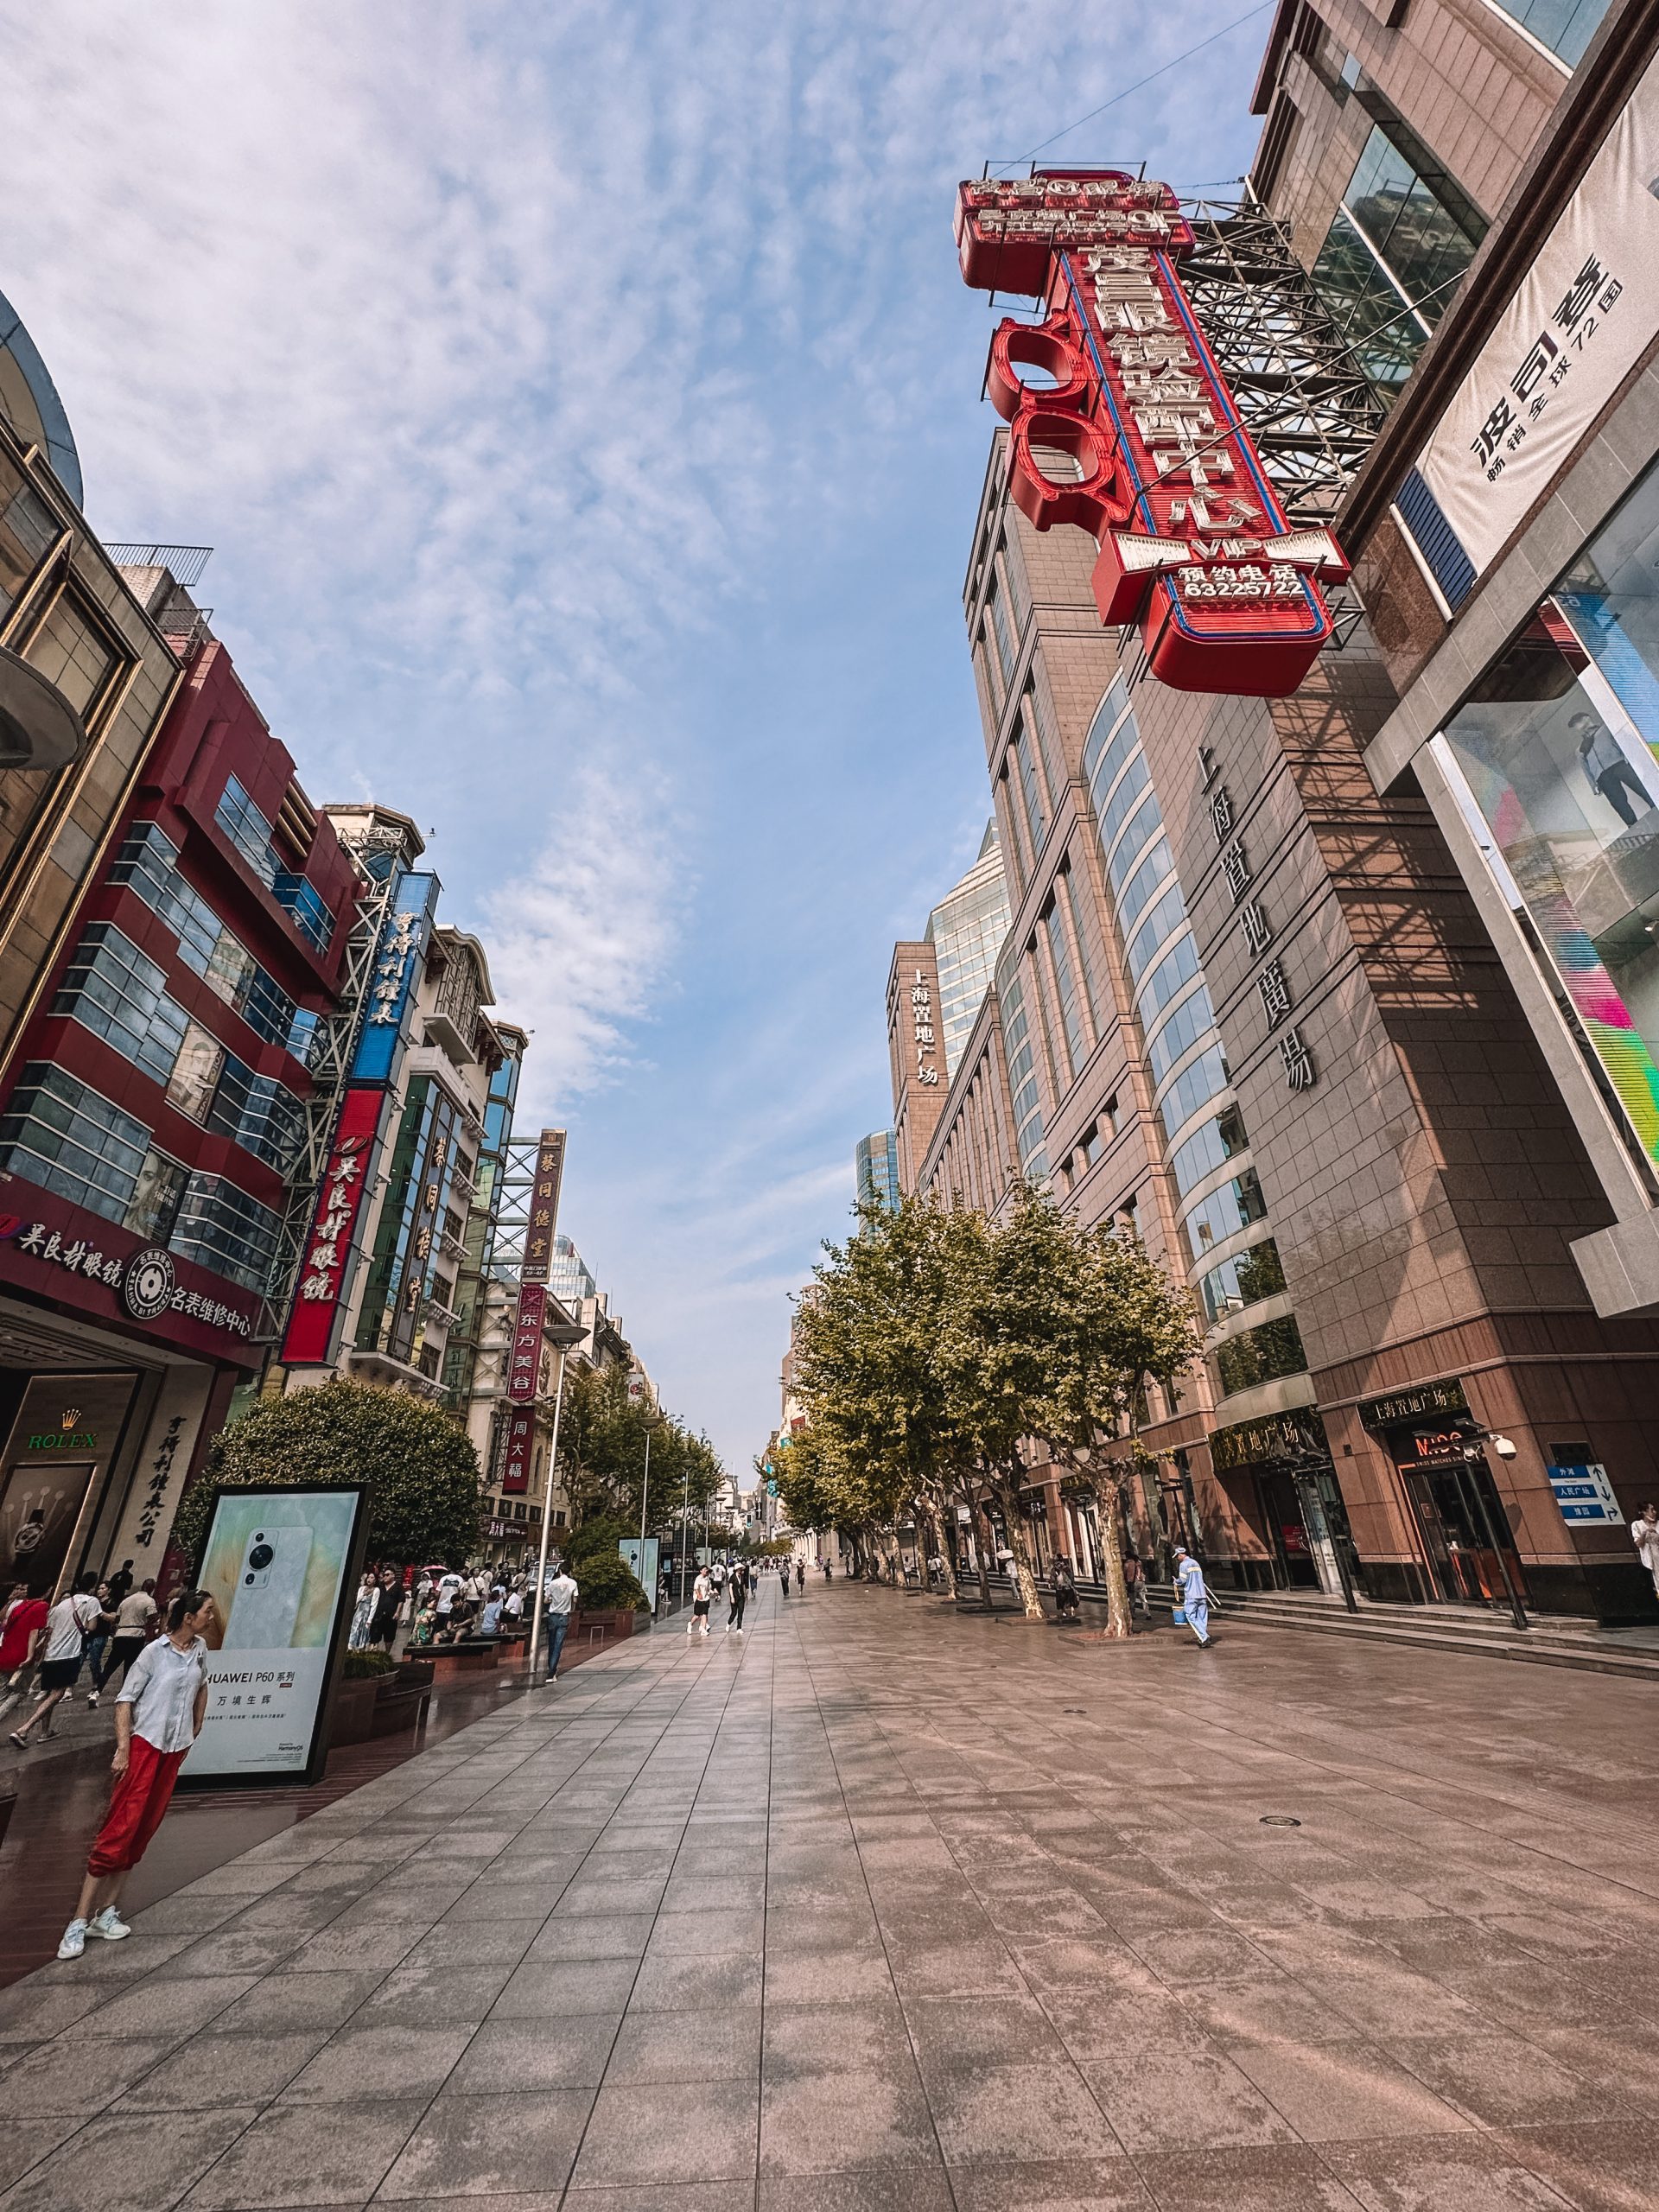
(877, 1156)
(966, 930)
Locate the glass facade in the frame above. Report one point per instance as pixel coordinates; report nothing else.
(966, 930)
(1566, 27)
(117, 991)
(1557, 745)
(249, 831)
(1397, 247)
(876, 1161)
(425, 1182)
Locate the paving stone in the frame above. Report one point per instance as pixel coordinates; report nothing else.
(286, 2160)
(671, 2132)
(130, 2162)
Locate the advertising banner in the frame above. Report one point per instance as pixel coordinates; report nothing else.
(283, 1568)
(521, 1442)
(325, 1272)
(544, 1205)
(404, 941)
(1579, 324)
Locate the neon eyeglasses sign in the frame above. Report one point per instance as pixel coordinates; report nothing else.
(1194, 546)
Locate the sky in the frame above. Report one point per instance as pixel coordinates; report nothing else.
(582, 404)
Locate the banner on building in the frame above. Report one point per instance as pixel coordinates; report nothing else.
(404, 936)
(283, 1568)
(324, 1268)
(1132, 434)
(1580, 322)
(520, 1447)
(543, 1220)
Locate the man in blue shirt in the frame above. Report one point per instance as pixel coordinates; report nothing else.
(1194, 1598)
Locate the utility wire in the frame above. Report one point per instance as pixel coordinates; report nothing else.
(1162, 72)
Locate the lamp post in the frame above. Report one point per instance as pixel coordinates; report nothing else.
(562, 1335)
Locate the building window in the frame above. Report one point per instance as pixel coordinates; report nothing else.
(247, 829)
(1235, 1207)
(1146, 879)
(195, 1072)
(304, 903)
(1169, 915)
(1031, 789)
(1076, 1043)
(1245, 1280)
(1192, 1019)
(1396, 250)
(115, 990)
(258, 1112)
(1566, 27)
(73, 650)
(1173, 972)
(27, 533)
(1260, 1355)
(1206, 1079)
(1022, 1080)
(1074, 907)
(998, 614)
(63, 1136)
(220, 1227)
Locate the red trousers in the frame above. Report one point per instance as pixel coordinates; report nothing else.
(142, 1797)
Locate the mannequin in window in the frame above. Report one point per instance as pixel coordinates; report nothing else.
(1608, 771)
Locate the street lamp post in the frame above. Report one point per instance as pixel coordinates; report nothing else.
(547, 1519)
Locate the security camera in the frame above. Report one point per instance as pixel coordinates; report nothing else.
(1504, 1447)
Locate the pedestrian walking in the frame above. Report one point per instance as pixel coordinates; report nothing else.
(826, 1571)
(1195, 1599)
(559, 1595)
(783, 1576)
(121, 1583)
(356, 1638)
(68, 1624)
(800, 1576)
(98, 1643)
(22, 1628)
(701, 1591)
(1644, 1534)
(1065, 1589)
(1134, 1581)
(740, 1597)
(446, 1590)
(159, 1709)
(134, 1624)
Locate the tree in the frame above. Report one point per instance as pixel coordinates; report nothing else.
(419, 1463)
(602, 1454)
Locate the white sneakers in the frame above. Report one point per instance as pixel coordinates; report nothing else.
(108, 1924)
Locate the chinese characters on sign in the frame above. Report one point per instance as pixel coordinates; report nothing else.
(521, 1437)
(391, 969)
(525, 1358)
(544, 1206)
(328, 1247)
(1545, 366)
(81, 1258)
(1193, 543)
(921, 1008)
(1273, 989)
(161, 1477)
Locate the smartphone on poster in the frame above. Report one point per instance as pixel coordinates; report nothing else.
(268, 1587)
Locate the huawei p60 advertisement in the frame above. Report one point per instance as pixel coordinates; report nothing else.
(281, 1566)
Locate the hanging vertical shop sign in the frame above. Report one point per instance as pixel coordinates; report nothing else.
(325, 1271)
(525, 1360)
(521, 1438)
(544, 1206)
(1153, 459)
(405, 937)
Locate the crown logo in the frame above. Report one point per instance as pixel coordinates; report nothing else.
(71, 1415)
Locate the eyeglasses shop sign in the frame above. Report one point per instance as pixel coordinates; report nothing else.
(1579, 324)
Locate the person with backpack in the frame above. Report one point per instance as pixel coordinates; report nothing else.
(68, 1625)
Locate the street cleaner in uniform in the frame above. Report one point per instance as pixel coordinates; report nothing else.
(1194, 1598)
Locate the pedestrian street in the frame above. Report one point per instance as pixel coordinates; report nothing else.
(886, 1906)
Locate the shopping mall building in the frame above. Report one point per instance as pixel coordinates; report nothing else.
(1335, 983)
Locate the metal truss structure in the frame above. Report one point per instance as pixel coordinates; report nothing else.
(334, 1043)
(511, 1224)
(1298, 383)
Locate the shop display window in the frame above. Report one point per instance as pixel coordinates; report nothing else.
(1556, 743)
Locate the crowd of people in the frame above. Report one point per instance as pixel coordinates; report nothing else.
(99, 1628)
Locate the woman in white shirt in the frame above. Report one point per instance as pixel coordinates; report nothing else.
(159, 1711)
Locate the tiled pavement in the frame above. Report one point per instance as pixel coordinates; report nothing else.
(886, 1908)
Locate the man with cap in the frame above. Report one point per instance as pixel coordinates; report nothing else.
(1194, 1598)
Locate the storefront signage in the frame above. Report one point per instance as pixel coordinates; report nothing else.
(282, 1565)
(403, 939)
(1256, 1443)
(921, 1008)
(1580, 322)
(521, 1440)
(147, 1281)
(159, 1482)
(1421, 1404)
(1585, 1495)
(1193, 543)
(524, 1359)
(544, 1206)
(333, 1228)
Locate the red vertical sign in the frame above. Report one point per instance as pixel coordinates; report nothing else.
(525, 1360)
(544, 1205)
(329, 1245)
(521, 1438)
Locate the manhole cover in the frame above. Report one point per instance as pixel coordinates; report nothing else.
(1279, 1821)
(1074, 1708)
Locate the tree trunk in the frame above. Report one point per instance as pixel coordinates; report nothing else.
(1025, 1578)
(1118, 1624)
(938, 1523)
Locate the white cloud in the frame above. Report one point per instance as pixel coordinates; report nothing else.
(579, 942)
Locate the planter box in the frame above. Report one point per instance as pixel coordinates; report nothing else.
(399, 1706)
(414, 1672)
(351, 1720)
(460, 1659)
(616, 1622)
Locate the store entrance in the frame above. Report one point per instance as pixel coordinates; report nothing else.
(1280, 1506)
(1465, 1530)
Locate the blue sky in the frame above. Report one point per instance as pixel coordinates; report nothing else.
(583, 406)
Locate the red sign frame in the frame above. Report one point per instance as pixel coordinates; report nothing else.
(524, 1354)
(333, 1233)
(1194, 545)
(521, 1438)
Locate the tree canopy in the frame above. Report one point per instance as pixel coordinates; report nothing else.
(602, 1454)
(941, 1354)
(418, 1460)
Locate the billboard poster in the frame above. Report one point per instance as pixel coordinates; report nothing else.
(282, 1565)
(544, 1205)
(525, 1362)
(521, 1442)
(325, 1272)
